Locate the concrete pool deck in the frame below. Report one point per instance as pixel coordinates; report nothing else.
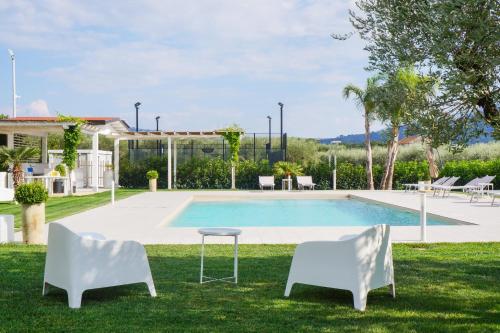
(144, 217)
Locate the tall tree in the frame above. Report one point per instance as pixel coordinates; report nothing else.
(399, 96)
(456, 41)
(14, 157)
(366, 98)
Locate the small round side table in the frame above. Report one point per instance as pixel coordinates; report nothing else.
(224, 232)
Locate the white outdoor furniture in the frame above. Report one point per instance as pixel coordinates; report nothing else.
(493, 195)
(224, 232)
(6, 194)
(409, 187)
(6, 228)
(480, 192)
(358, 264)
(266, 181)
(48, 181)
(304, 182)
(286, 184)
(444, 186)
(77, 263)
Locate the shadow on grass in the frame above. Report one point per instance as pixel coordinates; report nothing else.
(434, 293)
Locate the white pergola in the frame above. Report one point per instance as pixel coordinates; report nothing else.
(108, 126)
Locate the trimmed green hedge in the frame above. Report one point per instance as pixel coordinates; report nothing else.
(208, 173)
(468, 170)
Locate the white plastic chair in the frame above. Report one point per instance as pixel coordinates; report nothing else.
(78, 263)
(266, 181)
(358, 264)
(305, 182)
(6, 228)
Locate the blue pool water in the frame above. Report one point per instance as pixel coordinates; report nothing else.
(294, 213)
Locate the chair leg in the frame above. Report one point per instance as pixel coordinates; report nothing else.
(151, 287)
(393, 290)
(359, 300)
(288, 288)
(46, 288)
(74, 298)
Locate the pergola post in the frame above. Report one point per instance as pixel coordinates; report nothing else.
(10, 140)
(95, 161)
(175, 164)
(44, 150)
(116, 161)
(169, 163)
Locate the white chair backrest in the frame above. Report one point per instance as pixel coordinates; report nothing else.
(266, 180)
(304, 180)
(440, 181)
(450, 181)
(372, 247)
(474, 182)
(486, 179)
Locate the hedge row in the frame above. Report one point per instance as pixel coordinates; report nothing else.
(215, 173)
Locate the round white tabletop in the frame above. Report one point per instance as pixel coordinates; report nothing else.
(219, 231)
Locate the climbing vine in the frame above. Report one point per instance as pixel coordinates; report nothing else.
(72, 138)
(232, 135)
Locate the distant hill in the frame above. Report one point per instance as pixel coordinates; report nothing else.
(379, 136)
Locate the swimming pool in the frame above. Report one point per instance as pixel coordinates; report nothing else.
(294, 213)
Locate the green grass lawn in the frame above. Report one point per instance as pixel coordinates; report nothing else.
(58, 207)
(440, 288)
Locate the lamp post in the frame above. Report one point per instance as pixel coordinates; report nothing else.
(137, 122)
(269, 147)
(334, 173)
(281, 126)
(14, 95)
(157, 129)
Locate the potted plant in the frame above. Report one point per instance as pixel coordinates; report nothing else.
(58, 186)
(287, 170)
(108, 175)
(14, 157)
(152, 176)
(32, 197)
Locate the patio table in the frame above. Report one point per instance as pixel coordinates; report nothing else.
(223, 232)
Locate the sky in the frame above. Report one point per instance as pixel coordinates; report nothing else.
(199, 65)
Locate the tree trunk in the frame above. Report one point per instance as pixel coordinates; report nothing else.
(368, 147)
(392, 152)
(17, 175)
(433, 168)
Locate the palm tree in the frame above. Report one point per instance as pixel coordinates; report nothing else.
(15, 157)
(285, 169)
(368, 99)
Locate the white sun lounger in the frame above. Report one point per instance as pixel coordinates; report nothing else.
(358, 264)
(266, 181)
(77, 263)
(409, 187)
(304, 182)
(449, 182)
(467, 187)
(493, 195)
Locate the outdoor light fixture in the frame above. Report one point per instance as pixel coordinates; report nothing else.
(158, 142)
(14, 95)
(281, 126)
(269, 117)
(137, 121)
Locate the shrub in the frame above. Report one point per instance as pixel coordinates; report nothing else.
(30, 194)
(468, 170)
(152, 174)
(61, 168)
(410, 173)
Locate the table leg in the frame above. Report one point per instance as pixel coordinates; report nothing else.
(236, 259)
(202, 253)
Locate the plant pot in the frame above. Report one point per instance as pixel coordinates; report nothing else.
(108, 178)
(152, 185)
(33, 223)
(58, 186)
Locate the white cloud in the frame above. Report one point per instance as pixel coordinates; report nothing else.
(37, 108)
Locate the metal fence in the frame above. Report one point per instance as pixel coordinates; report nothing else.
(254, 146)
